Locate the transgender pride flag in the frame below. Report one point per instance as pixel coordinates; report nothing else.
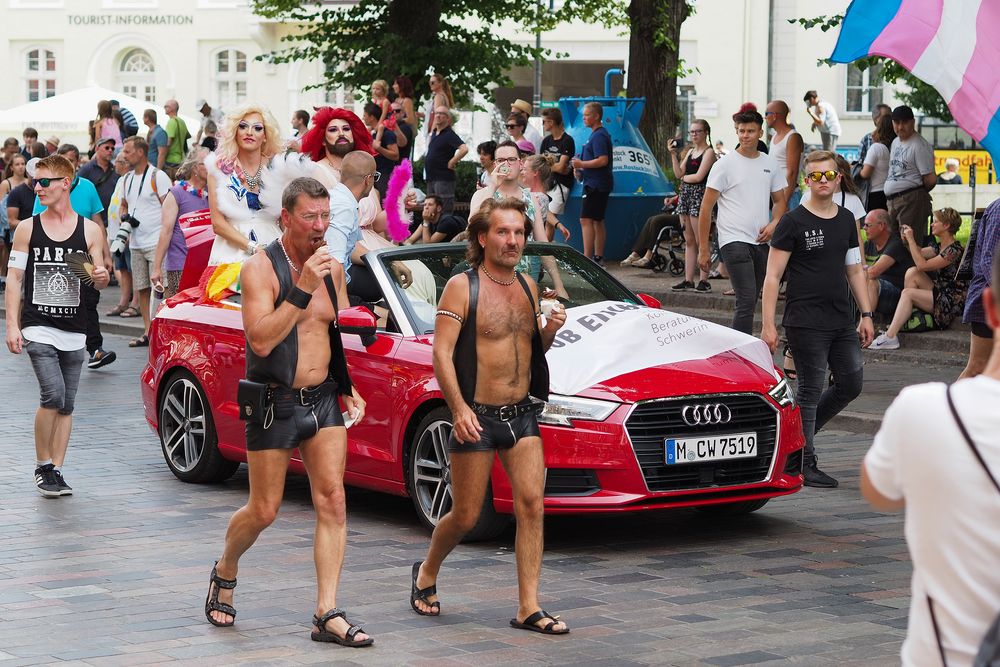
(953, 45)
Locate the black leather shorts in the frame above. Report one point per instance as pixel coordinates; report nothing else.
(499, 433)
(304, 422)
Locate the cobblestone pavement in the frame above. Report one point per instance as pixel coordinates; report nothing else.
(117, 573)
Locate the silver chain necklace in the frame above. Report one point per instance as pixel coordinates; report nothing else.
(289, 259)
(507, 283)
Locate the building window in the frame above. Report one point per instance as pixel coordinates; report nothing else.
(864, 89)
(137, 75)
(40, 68)
(230, 78)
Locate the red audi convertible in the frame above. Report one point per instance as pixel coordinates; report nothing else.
(680, 418)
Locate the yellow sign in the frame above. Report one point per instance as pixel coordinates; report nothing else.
(965, 158)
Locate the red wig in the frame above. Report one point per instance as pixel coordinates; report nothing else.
(314, 141)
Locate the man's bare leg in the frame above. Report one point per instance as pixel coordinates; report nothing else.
(52, 435)
(324, 456)
(525, 466)
(470, 473)
(267, 486)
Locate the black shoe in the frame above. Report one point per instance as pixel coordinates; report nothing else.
(816, 477)
(682, 286)
(599, 260)
(64, 488)
(703, 286)
(45, 480)
(101, 358)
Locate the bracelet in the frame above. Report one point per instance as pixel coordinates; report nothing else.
(299, 298)
(869, 314)
(252, 247)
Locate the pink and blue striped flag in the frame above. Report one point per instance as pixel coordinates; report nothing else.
(953, 45)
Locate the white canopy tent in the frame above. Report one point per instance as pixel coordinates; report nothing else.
(66, 115)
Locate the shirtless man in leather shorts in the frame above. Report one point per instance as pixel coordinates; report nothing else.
(489, 359)
(290, 295)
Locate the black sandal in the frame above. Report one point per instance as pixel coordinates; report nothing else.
(529, 624)
(215, 584)
(141, 341)
(422, 594)
(790, 373)
(323, 635)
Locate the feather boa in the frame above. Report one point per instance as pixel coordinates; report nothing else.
(395, 201)
(229, 194)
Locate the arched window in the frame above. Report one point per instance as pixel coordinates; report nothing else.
(137, 75)
(230, 77)
(40, 74)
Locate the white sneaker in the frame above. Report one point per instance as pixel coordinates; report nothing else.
(883, 342)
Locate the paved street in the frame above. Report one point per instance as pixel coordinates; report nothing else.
(117, 573)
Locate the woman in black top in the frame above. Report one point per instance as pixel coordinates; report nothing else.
(692, 171)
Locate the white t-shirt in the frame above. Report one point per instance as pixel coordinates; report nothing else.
(909, 161)
(831, 122)
(851, 202)
(878, 157)
(745, 186)
(952, 511)
(144, 204)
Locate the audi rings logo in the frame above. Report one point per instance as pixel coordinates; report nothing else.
(706, 414)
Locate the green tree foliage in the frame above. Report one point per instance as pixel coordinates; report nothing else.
(920, 96)
(379, 39)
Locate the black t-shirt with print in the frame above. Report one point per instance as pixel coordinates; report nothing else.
(896, 273)
(557, 148)
(817, 296)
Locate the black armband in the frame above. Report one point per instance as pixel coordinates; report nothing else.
(299, 298)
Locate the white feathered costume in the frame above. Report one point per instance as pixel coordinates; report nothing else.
(231, 200)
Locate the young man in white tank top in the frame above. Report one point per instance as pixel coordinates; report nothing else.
(786, 147)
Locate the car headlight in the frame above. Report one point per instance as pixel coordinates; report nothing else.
(782, 394)
(561, 410)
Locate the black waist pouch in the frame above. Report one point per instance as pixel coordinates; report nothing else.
(253, 399)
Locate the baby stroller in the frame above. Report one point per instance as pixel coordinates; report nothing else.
(668, 251)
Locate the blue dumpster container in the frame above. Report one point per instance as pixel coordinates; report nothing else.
(640, 185)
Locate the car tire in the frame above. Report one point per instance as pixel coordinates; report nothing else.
(734, 509)
(186, 429)
(428, 478)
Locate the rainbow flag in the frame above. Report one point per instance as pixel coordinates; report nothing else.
(953, 45)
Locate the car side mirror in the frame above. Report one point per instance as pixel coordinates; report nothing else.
(361, 321)
(650, 301)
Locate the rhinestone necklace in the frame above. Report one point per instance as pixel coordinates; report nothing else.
(505, 283)
(253, 182)
(289, 259)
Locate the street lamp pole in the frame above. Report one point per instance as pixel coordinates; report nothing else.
(536, 98)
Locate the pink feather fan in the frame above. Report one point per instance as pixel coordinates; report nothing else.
(395, 197)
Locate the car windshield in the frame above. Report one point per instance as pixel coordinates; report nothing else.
(579, 280)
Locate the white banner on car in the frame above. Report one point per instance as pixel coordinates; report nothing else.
(603, 340)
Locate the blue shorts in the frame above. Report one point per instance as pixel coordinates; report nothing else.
(888, 298)
(123, 260)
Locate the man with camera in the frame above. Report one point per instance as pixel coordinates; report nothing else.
(143, 190)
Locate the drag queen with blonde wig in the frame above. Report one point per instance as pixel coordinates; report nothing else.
(246, 177)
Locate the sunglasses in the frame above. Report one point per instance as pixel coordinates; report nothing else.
(817, 176)
(375, 176)
(46, 182)
(257, 127)
(511, 126)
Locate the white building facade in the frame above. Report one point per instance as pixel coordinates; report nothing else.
(189, 49)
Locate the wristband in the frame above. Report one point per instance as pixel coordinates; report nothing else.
(869, 314)
(299, 298)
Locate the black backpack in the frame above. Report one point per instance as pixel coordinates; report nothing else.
(989, 649)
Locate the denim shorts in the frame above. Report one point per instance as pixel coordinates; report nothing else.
(888, 298)
(58, 374)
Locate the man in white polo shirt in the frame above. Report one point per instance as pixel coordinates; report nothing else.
(144, 189)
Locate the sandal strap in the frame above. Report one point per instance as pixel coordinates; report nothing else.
(539, 615)
(353, 631)
(321, 621)
(424, 593)
(215, 605)
(228, 584)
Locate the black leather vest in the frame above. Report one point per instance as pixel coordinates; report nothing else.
(467, 362)
(279, 366)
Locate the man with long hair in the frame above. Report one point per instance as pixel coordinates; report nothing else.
(484, 315)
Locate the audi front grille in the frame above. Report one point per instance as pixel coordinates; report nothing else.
(652, 422)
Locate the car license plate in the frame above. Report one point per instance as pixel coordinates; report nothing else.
(710, 448)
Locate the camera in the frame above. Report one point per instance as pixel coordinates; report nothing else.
(676, 143)
(124, 231)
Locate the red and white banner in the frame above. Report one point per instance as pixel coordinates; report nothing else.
(610, 338)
